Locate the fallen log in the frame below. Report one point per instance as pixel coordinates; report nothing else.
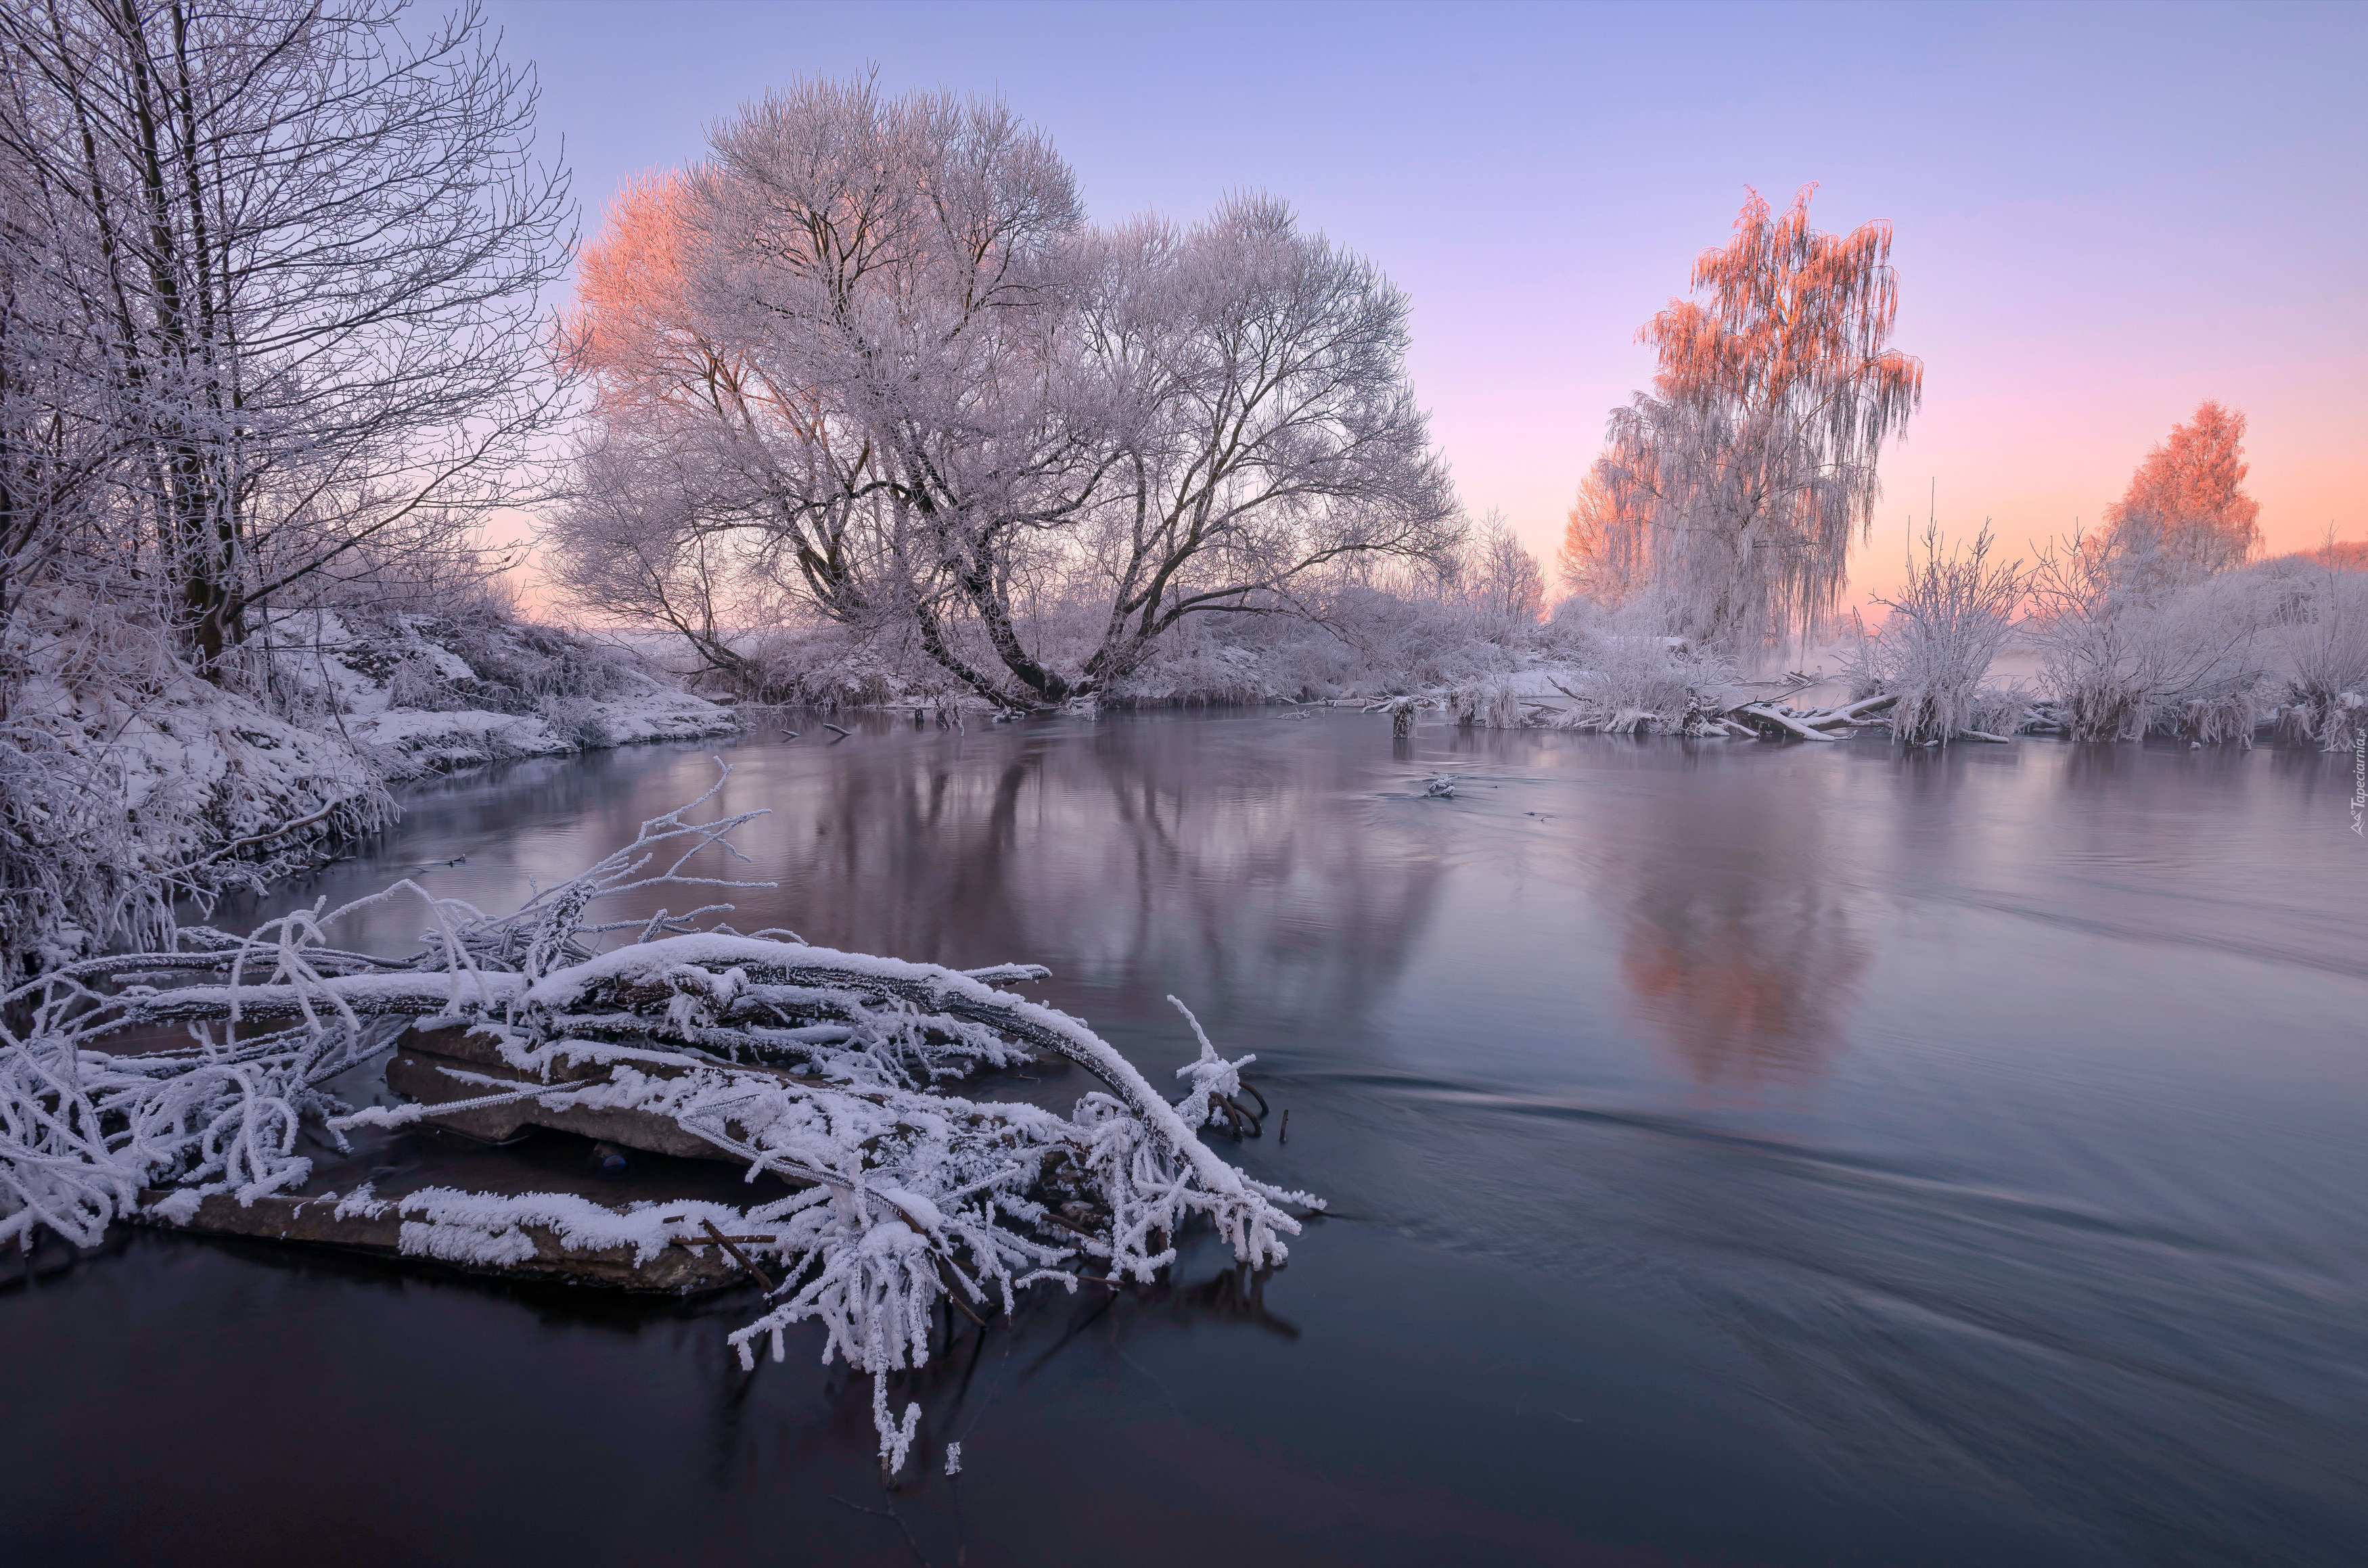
(510, 1238)
(1784, 722)
(462, 1065)
(1854, 711)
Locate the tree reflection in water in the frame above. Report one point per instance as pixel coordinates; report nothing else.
(1136, 857)
(1735, 945)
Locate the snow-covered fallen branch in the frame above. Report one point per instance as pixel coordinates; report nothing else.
(823, 1067)
(1770, 714)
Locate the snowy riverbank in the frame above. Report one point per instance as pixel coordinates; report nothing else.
(131, 783)
(416, 696)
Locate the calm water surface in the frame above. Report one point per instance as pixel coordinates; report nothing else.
(1742, 1155)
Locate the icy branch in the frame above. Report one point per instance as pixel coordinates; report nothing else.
(822, 1067)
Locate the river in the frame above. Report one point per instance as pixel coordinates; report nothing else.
(1740, 1155)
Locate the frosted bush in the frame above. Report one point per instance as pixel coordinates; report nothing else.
(2128, 646)
(1935, 648)
(1492, 704)
(2000, 710)
(576, 721)
(128, 784)
(1638, 677)
(2320, 636)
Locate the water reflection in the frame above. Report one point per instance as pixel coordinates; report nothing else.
(1749, 990)
(1738, 945)
(1138, 858)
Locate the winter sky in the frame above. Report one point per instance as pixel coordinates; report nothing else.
(2104, 213)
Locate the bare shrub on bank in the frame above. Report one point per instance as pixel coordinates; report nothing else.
(1637, 676)
(2129, 643)
(1935, 648)
(2321, 635)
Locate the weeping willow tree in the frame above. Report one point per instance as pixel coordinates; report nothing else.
(1737, 482)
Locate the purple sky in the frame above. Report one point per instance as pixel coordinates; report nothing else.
(2104, 213)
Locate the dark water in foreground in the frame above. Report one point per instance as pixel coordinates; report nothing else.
(1743, 1155)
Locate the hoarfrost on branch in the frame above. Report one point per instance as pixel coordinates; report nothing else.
(823, 1067)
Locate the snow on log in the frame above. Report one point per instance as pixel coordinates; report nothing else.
(652, 1247)
(1865, 705)
(1785, 721)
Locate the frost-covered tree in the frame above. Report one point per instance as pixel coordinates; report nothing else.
(2186, 502)
(868, 348)
(285, 257)
(1502, 577)
(268, 272)
(1603, 544)
(1742, 477)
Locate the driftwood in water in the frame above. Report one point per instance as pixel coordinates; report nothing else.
(515, 1248)
(1767, 716)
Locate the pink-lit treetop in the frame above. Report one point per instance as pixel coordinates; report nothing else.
(1794, 318)
(2187, 499)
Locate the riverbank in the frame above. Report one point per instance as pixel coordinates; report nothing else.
(128, 783)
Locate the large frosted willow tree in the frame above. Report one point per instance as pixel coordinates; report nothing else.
(271, 270)
(1736, 485)
(865, 361)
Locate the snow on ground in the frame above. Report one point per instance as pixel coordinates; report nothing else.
(131, 783)
(412, 742)
(416, 696)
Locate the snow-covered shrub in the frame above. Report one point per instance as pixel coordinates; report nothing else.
(2127, 647)
(418, 694)
(2000, 711)
(1492, 704)
(2320, 635)
(470, 650)
(115, 801)
(417, 680)
(1935, 648)
(576, 721)
(1637, 676)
